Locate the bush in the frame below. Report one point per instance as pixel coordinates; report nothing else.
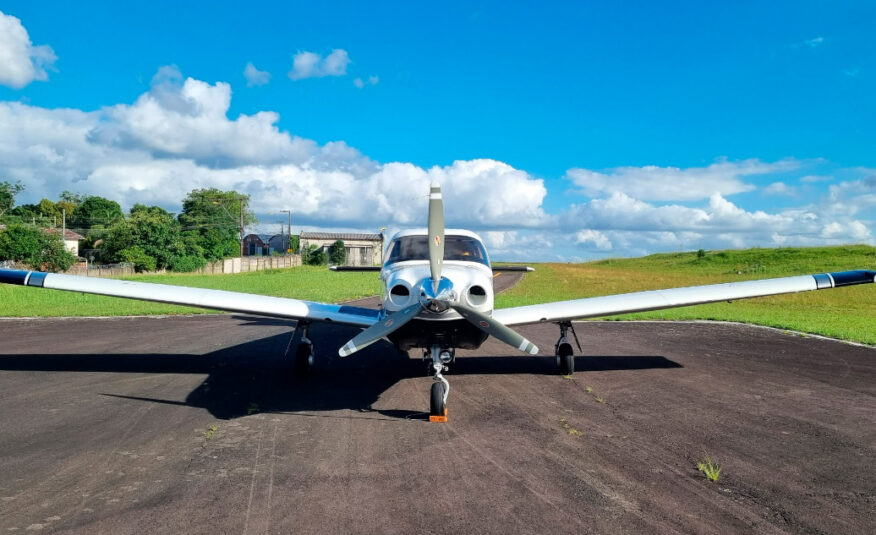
(187, 263)
(137, 256)
(32, 246)
(338, 253)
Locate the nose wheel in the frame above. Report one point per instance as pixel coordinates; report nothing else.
(440, 386)
(563, 349)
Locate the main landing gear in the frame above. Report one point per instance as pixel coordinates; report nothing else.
(563, 349)
(440, 387)
(301, 348)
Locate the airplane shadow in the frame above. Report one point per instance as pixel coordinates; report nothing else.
(257, 375)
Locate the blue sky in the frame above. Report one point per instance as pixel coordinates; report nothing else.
(769, 107)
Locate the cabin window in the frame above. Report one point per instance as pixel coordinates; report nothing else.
(463, 248)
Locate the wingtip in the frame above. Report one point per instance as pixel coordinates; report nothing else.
(533, 350)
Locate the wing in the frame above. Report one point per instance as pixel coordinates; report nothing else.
(261, 305)
(610, 305)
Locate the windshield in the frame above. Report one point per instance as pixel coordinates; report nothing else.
(455, 248)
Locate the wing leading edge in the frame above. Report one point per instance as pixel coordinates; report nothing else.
(261, 305)
(610, 305)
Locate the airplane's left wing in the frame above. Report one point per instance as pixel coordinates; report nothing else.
(262, 305)
(610, 305)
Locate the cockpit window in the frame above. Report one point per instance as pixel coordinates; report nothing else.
(455, 248)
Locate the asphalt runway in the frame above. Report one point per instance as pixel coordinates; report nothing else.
(196, 425)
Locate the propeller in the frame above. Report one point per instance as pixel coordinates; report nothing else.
(386, 326)
(437, 297)
(495, 329)
(436, 235)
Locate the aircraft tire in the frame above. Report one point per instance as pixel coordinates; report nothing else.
(436, 402)
(566, 359)
(303, 360)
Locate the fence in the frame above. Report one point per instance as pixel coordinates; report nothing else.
(251, 263)
(229, 265)
(110, 271)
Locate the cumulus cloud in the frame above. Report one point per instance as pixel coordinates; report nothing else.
(652, 183)
(312, 65)
(178, 136)
(254, 76)
(20, 62)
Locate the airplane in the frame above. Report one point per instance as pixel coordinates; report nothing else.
(437, 296)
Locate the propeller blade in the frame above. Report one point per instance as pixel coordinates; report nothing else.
(496, 329)
(384, 327)
(436, 234)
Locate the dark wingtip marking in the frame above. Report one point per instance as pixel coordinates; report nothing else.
(850, 278)
(13, 276)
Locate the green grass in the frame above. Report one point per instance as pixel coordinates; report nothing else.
(305, 282)
(844, 313)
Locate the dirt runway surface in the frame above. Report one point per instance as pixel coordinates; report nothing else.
(196, 425)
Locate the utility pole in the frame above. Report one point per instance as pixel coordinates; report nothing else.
(289, 236)
(242, 202)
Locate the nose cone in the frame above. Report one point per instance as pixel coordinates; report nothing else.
(437, 299)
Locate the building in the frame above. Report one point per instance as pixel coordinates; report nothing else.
(71, 239)
(362, 249)
(257, 245)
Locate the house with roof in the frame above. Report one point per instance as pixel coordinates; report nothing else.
(71, 239)
(362, 249)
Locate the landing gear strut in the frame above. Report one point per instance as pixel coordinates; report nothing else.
(563, 349)
(440, 386)
(302, 350)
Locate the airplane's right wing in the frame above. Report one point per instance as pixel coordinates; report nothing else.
(611, 305)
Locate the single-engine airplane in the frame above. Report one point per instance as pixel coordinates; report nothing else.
(438, 296)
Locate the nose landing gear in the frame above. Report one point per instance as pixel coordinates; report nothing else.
(440, 386)
(563, 349)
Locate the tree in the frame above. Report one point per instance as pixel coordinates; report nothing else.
(213, 218)
(34, 247)
(337, 253)
(151, 229)
(94, 210)
(8, 192)
(50, 211)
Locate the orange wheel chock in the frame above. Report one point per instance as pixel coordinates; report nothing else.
(441, 419)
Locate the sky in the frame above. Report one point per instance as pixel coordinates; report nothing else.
(559, 131)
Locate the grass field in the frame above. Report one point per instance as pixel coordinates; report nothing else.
(845, 313)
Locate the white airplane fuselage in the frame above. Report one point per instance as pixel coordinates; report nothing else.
(469, 282)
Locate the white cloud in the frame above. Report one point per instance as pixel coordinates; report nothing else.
(177, 137)
(598, 239)
(814, 42)
(311, 65)
(254, 76)
(360, 83)
(780, 188)
(852, 71)
(652, 183)
(20, 62)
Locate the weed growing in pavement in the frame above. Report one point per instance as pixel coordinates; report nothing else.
(709, 468)
(572, 431)
(208, 434)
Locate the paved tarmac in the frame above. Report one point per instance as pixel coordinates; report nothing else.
(196, 425)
